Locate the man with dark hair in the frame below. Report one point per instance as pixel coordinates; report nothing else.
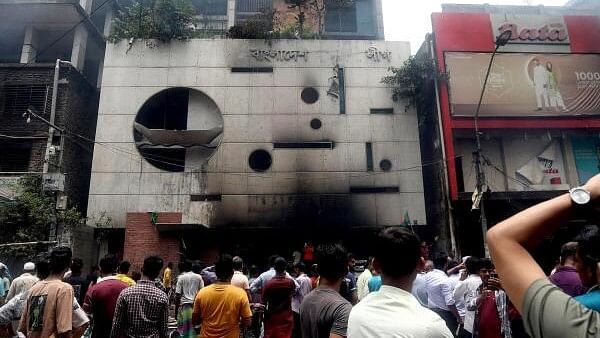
(547, 311)
(588, 260)
(257, 285)
(440, 293)
(220, 307)
(348, 288)
(49, 308)
(566, 276)
(123, 273)
(188, 285)
(394, 311)
(277, 298)
(78, 281)
(143, 310)
(324, 312)
(466, 290)
(101, 300)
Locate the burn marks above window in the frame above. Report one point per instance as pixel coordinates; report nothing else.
(309, 95)
(260, 160)
(315, 124)
(176, 120)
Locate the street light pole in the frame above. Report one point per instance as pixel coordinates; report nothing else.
(501, 40)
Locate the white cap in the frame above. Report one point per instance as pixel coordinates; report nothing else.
(29, 266)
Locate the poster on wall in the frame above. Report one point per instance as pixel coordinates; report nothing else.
(524, 85)
(545, 171)
(586, 151)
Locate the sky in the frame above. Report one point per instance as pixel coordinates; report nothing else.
(411, 20)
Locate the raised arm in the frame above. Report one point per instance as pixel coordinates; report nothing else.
(510, 240)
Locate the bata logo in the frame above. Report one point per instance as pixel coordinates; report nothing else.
(554, 32)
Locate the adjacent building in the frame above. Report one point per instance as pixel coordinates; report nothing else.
(253, 147)
(33, 36)
(539, 117)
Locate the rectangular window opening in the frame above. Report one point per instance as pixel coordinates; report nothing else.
(374, 190)
(386, 111)
(252, 69)
(205, 198)
(303, 145)
(369, 151)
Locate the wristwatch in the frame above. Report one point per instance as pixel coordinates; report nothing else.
(580, 197)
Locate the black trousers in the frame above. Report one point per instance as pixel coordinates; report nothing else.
(297, 332)
(449, 318)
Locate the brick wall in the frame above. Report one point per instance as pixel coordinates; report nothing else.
(142, 239)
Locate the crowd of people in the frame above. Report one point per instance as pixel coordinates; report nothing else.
(402, 292)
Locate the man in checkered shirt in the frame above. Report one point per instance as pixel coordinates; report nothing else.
(143, 310)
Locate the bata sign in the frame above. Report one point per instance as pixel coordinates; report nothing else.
(530, 29)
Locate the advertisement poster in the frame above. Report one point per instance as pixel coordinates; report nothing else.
(586, 151)
(524, 85)
(545, 171)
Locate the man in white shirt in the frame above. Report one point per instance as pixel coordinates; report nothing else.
(466, 290)
(394, 311)
(540, 83)
(239, 279)
(188, 284)
(440, 293)
(305, 288)
(362, 284)
(23, 282)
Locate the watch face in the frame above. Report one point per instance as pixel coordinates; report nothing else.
(580, 196)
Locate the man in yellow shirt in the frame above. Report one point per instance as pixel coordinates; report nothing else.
(220, 307)
(168, 278)
(123, 273)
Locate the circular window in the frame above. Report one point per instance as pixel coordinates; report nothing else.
(315, 124)
(385, 165)
(260, 160)
(176, 120)
(310, 95)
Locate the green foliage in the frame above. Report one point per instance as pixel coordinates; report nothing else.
(259, 26)
(412, 81)
(28, 218)
(161, 19)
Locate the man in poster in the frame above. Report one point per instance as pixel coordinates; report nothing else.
(540, 83)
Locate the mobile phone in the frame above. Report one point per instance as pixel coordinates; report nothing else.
(494, 275)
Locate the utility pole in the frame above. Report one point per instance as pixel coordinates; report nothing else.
(482, 188)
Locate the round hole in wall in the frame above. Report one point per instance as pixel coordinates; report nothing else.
(309, 95)
(385, 165)
(260, 160)
(315, 124)
(178, 126)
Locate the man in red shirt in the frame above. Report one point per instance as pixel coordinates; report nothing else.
(277, 297)
(495, 313)
(101, 298)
